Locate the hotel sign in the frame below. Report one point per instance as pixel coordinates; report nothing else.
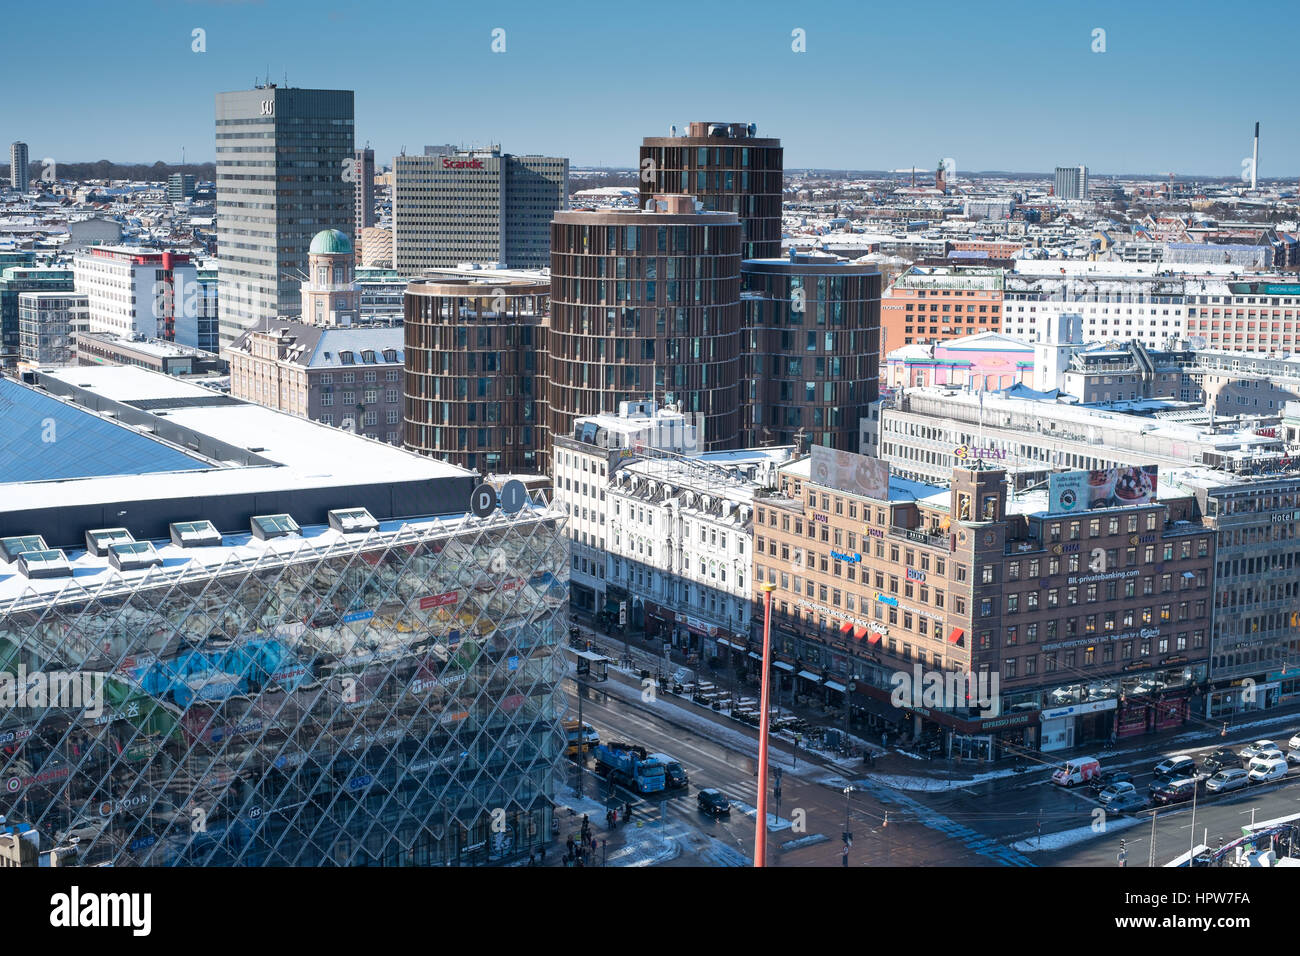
(462, 164)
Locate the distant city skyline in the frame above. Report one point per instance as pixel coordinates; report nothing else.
(999, 90)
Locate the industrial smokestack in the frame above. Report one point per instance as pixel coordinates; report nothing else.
(1254, 159)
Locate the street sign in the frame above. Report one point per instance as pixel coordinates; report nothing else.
(622, 613)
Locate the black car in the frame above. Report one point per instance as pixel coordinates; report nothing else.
(1103, 781)
(1221, 759)
(714, 803)
(1175, 768)
(1174, 791)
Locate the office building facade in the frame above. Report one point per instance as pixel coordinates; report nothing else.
(19, 171)
(645, 305)
(1092, 623)
(180, 187)
(475, 206)
(46, 321)
(135, 291)
(364, 171)
(729, 169)
(281, 158)
(475, 371)
(1071, 182)
(810, 350)
(15, 280)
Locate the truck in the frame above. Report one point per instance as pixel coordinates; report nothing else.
(588, 738)
(631, 766)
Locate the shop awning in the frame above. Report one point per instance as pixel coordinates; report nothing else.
(846, 627)
(873, 639)
(834, 685)
(860, 632)
(757, 656)
(809, 675)
(734, 647)
(955, 636)
(783, 665)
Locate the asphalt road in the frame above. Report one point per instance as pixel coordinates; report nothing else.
(723, 762)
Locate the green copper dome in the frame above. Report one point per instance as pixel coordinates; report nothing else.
(331, 242)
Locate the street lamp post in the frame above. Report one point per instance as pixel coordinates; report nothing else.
(760, 835)
(848, 834)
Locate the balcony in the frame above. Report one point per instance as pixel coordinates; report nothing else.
(932, 537)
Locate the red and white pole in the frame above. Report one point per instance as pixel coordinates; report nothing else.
(760, 835)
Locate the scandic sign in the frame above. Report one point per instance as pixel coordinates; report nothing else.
(462, 164)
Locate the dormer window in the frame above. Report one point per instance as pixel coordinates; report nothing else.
(347, 358)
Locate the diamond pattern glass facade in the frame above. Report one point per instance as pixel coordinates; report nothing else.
(330, 699)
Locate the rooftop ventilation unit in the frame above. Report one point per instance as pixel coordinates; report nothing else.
(267, 527)
(194, 534)
(47, 563)
(352, 520)
(98, 542)
(133, 556)
(12, 547)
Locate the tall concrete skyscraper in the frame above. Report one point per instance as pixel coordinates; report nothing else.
(365, 182)
(729, 169)
(479, 205)
(1071, 182)
(19, 174)
(285, 159)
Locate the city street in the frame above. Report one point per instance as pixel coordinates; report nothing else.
(939, 814)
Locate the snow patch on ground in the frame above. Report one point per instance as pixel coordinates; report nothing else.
(1064, 838)
(773, 821)
(809, 840)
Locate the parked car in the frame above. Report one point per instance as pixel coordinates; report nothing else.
(1105, 781)
(1293, 755)
(1173, 766)
(714, 803)
(1229, 778)
(1076, 771)
(1114, 791)
(1294, 742)
(1221, 759)
(1174, 791)
(1251, 751)
(1127, 803)
(1263, 769)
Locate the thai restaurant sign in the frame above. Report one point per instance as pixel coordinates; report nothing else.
(849, 472)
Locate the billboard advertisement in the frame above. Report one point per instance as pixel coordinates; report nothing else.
(846, 471)
(1072, 491)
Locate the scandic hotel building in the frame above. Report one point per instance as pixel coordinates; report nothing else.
(1093, 622)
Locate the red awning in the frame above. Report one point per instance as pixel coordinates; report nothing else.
(955, 636)
(874, 638)
(846, 627)
(860, 632)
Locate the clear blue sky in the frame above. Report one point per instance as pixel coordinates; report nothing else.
(995, 85)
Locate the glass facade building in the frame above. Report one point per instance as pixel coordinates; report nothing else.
(334, 695)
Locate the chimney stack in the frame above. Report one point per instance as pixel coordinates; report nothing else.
(1254, 161)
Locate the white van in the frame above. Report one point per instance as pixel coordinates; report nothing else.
(1263, 769)
(1076, 771)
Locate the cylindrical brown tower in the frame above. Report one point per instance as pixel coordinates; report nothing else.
(810, 353)
(727, 168)
(646, 305)
(474, 393)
